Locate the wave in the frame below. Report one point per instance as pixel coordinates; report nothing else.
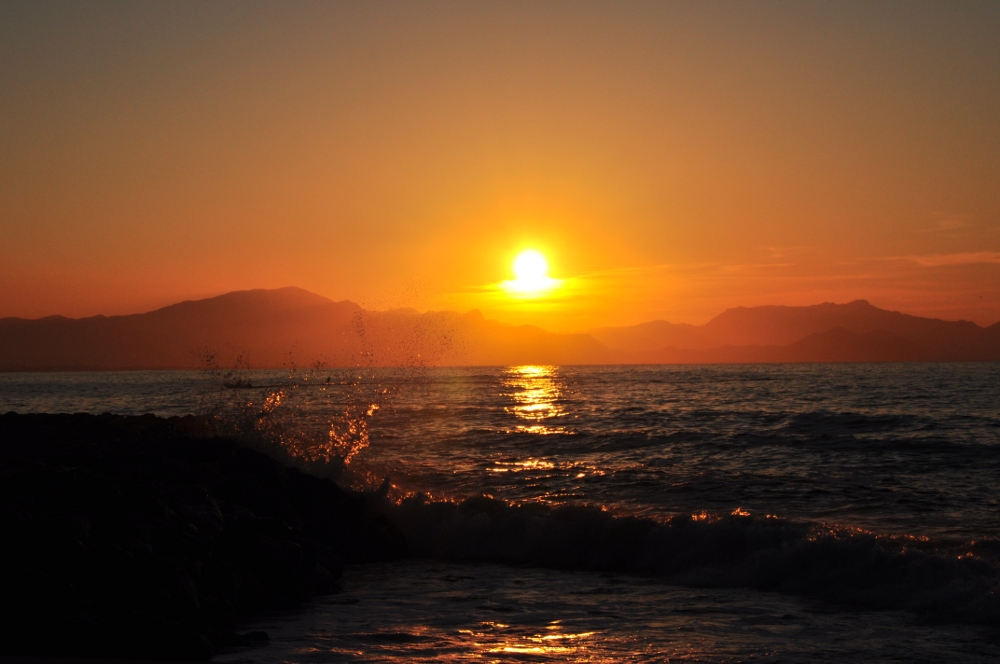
(941, 581)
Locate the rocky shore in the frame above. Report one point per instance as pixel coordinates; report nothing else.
(144, 538)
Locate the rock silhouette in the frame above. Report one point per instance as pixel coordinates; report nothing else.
(141, 537)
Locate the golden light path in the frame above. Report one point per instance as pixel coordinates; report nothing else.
(535, 394)
(495, 637)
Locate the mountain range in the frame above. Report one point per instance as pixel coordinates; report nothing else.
(291, 326)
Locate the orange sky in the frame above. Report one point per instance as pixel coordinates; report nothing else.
(670, 159)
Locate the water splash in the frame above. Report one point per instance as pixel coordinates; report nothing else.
(317, 419)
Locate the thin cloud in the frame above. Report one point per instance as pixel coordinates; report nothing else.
(963, 258)
(949, 225)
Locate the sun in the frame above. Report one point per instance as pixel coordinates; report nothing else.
(532, 275)
(530, 265)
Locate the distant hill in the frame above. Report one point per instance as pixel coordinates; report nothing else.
(264, 325)
(277, 328)
(290, 326)
(853, 332)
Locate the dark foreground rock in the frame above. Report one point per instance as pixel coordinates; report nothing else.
(138, 537)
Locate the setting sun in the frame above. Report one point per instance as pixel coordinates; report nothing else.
(530, 265)
(531, 272)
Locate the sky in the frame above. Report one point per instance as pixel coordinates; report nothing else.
(669, 160)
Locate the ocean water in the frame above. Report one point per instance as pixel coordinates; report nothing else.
(690, 513)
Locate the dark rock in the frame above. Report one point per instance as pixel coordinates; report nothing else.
(140, 537)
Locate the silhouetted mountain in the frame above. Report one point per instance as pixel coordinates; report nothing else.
(785, 325)
(264, 325)
(274, 328)
(837, 345)
(854, 332)
(290, 326)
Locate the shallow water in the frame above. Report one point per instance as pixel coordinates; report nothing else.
(874, 484)
(432, 612)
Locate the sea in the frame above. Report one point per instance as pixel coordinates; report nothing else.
(718, 513)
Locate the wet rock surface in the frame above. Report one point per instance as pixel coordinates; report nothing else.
(141, 537)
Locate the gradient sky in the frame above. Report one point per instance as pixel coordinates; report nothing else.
(670, 159)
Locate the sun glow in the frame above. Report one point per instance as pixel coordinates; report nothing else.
(531, 272)
(530, 265)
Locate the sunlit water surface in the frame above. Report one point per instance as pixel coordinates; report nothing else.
(902, 449)
(431, 612)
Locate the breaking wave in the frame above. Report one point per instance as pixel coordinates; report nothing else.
(947, 581)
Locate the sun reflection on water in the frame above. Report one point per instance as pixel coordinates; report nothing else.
(493, 637)
(535, 393)
(536, 402)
